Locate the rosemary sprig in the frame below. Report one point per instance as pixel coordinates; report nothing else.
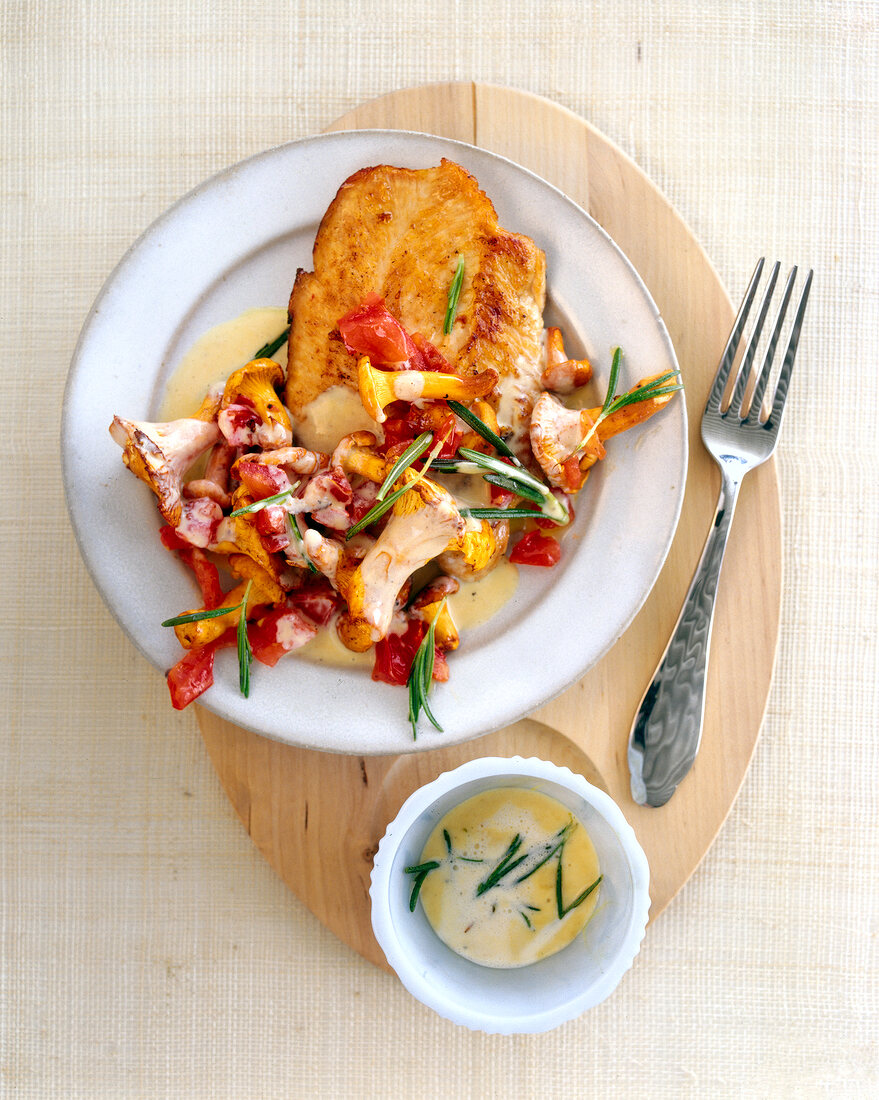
(198, 616)
(378, 510)
(656, 388)
(481, 428)
(475, 462)
(421, 871)
(245, 653)
(421, 677)
(258, 505)
(454, 295)
(269, 349)
(503, 513)
(415, 450)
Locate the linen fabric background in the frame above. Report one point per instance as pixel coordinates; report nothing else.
(148, 951)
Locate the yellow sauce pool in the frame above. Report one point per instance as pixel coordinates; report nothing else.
(508, 918)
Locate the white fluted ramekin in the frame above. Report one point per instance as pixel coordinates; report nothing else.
(547, 993)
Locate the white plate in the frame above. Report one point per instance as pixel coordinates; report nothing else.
(235, 242)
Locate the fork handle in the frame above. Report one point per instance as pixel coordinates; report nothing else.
(667, 729)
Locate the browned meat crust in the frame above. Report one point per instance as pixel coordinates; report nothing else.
(398, 232)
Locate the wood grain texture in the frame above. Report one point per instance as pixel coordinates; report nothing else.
(316, 817)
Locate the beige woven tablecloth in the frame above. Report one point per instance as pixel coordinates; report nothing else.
(147, 950)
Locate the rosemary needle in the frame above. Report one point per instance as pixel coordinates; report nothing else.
(454, 295)
(415, 450)
(269, 349)
(258, 505)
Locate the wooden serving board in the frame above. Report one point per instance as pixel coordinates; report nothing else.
(318, 817)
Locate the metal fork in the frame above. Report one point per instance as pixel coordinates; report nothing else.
(667, 729)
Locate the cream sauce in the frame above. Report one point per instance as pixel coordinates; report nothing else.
(326, 649)
(512, 923)
(217, 353)
(477, 601)
(335, 413)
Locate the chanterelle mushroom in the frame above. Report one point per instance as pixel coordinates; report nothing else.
(556, 435)
(561, 374)
(424, 522)
(477, 550)
(380, 387)
(160, 454)
(251, 411)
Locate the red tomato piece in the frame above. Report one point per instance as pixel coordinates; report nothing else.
(318, 600)
(260, 480)
(171, 540)
(191, 676)
(440, 666)
(451, 436)
(397, 431)
(536, 549)
(278, 633)
(428, 357)
(371, 330)
(501, 498)
(194, 672)
(362, 501)
(207, 575)
(271, 520)
(395, 653)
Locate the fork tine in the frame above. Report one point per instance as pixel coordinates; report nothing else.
(738, 395)
(778, 401)
(763, 379)
(729, 352)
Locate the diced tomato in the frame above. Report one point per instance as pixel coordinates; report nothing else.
(199, 521)
(318, 600)
(278, 633)
(206, 573)
(362, 501)
(547, 524)
(194, 672)
(536, 549)
(371, 330)
(274, 544)
(271, 524)
(261, 480)
(271, 520)
(572, 475)
(429, 358)
(501, 498)
(170, 539)
(451, 436)
(238, 423)
(395, 653)
(440, 666)
(191, 676)
(398, 431)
